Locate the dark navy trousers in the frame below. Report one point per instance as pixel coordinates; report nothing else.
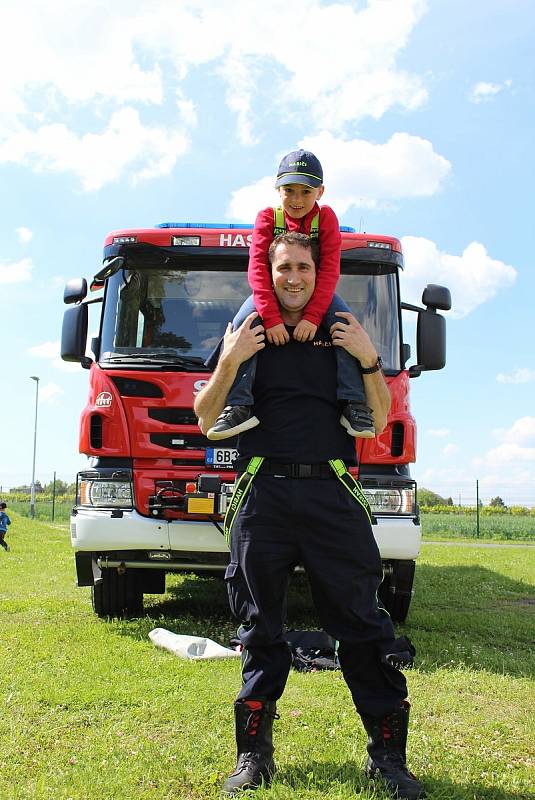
(350, 385)
(315, 522)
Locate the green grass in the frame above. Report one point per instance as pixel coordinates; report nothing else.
(498, 527)
(91, 709)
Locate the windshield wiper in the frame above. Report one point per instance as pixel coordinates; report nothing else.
(188, 363)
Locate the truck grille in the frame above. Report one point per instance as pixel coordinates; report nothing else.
(173, 416)
(180, 441)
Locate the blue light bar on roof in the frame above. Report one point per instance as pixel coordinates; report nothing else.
(231, 225)
(218, 225)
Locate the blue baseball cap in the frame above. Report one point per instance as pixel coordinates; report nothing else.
(300, 166)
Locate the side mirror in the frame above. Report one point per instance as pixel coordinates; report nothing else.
(75, 291)
(74, 335)
(430, 341)
(434, 296)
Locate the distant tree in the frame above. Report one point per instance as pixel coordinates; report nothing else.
(26, 489)
(62, 487)
(497, 502)
(428, 498)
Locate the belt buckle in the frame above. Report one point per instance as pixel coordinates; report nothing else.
(305, 470)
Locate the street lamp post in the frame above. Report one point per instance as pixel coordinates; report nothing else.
(32, 496)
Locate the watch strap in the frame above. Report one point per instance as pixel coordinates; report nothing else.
(376, 367)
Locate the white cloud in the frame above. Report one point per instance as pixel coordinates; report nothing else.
(517, 446)
(55, 61)
(522, 432)
(359, 173)
(50, 392)
(484, 90)
(473, 277)
(25, 235)
(521, 375)
(450, 449)
(125, 146)
(16, 271)
(439, 432)
(45, 350)
(362, 80)
(459, 482)
(51, 352)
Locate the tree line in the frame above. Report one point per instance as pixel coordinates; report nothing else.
(62, 487)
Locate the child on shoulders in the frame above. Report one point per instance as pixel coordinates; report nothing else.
(300, 186)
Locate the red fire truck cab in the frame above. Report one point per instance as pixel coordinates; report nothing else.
(153, 497)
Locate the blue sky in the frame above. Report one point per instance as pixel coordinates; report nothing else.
(136, 113)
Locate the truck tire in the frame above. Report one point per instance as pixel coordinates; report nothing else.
(395, 592)
(118, 595)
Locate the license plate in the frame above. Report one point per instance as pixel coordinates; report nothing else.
(220, 457)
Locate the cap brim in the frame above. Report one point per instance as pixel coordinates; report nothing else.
(298, 177)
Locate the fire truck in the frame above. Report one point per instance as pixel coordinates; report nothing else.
(153, 497)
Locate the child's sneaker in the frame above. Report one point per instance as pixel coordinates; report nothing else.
(231, 421)
(357, 420)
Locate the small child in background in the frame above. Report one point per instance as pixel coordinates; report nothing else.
(300, 186)
(4, 522)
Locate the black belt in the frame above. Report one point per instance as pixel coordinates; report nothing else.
(277, 468)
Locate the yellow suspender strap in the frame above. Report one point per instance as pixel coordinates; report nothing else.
(238, 495)
(352, 485)
(279, 223)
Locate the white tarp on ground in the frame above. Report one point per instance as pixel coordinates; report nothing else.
(192, 647)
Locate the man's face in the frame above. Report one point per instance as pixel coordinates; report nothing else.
(294, 276)
(297, 199)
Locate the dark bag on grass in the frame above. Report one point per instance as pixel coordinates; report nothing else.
(312, 650)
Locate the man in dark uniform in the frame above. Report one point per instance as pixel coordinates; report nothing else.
(295, 502)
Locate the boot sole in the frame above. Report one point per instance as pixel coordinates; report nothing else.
(368, 434)
(217, 436)
(236, 790)
(394, 790)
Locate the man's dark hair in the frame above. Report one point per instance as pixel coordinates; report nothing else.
(300, 239)
(3, 505)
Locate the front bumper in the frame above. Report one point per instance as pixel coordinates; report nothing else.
(102, 531)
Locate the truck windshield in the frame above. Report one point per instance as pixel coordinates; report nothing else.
(164, 317)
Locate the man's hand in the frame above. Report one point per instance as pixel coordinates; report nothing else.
(241, 344)
(349, 334)
(305, 331)
(278, 334)
(238, 346)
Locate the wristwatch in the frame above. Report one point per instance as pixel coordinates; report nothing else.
(376, 367)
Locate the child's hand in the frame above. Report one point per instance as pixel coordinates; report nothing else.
(277, 334)
(305, 331)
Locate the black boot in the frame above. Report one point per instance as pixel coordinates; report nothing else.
(254, 739)
(387, 742)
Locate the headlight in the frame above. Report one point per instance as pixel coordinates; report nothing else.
(391, 501)
(105, 494)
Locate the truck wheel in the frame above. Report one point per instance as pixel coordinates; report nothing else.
(117, 595)
(395, 592)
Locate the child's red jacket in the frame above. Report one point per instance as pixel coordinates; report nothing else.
(259, 272)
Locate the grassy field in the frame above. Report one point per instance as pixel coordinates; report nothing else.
(92, 710)
(499, 527)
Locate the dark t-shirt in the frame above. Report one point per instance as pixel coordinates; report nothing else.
(295, 401)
